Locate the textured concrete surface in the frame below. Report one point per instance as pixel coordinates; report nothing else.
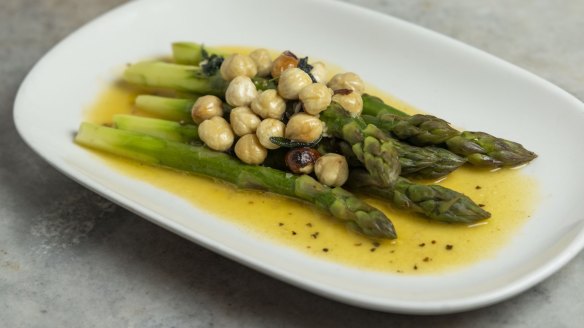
(69, 258)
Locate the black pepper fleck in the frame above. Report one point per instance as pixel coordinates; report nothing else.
(481, 205)
(427, 259)
(325, 250)
(293, 233)
(372, 249)
(433, 242)
(309, 224)
(422, 244)
(478, 187)
(415, 267)
(280, 224)
(449, 247)
(376, 244)
(314, 235)
(358, 244)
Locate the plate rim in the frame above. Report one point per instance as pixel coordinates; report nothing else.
(495, 296)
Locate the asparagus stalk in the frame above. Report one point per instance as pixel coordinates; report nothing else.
(191, 53)
(176, 77)
(417, 162)
(433, 201)
(419, 130)
(479, 148)
(371, 146)
(163, 129)
(173, 109)
(183, 78)
(338, 202)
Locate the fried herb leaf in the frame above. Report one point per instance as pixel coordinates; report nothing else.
(211, 64)
(306, 67)
(288, 143)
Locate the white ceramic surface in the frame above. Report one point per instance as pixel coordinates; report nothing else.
(449, 79)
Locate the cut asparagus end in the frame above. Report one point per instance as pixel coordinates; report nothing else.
(164, 129)
(181, 78)
(173, 109)
(191, 53)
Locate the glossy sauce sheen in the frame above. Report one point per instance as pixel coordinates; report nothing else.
(422, 246)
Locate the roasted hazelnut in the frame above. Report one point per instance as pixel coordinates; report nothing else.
(319, 72)
(243, 120)
(315, 98)
(240, 92)
(301, 160)
(268, 104)
(249, 150)
(270, 128)
(263, 61)
(304, 128)
(352, 102)
(206, 107)
(349, 81)
(291, 82)
(285, 61)
(237, 65)
(332, 170)
(216, 133)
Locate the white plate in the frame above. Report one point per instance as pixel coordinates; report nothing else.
(430, 71)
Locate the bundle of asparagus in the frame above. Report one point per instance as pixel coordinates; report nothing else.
(292, 111)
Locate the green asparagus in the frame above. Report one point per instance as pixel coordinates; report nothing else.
(164, 129)
(432, 201)
(479, 148)
(191, 53)
(417, 162)
(371, 146)
(338, 202)
(181, 78)
(173, 109)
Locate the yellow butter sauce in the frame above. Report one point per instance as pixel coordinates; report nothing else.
(422, 246)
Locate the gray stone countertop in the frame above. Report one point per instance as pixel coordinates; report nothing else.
(69, 258)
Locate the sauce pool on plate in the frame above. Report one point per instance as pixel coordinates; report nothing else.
(422, 247)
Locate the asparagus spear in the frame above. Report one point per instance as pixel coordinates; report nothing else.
(177, 77)
(371, 146)
(433, 201)
(183, 78)
(173, 109)
(419, 130)
(417, 162)
(164, 129)
(338, 202)
(479, 148)
(191, 53)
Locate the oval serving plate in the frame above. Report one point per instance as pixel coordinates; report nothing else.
(430, 71)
